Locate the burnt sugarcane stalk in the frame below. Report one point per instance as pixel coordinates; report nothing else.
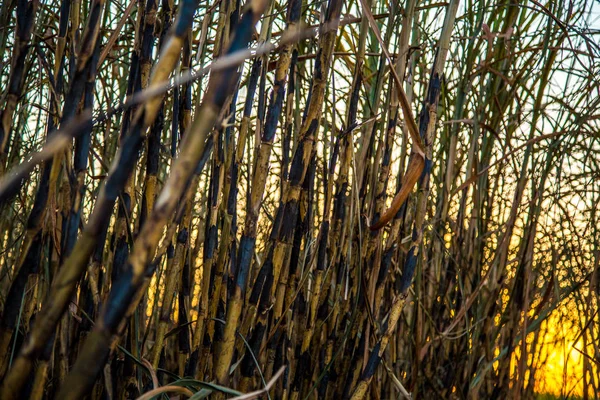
(247, 243)
(154, 137)
(209, 239)
(390, 246)
(68, 276)
(38, 212)
(141, 60)
(213, 271)
(26, 12)
(28, 258)
(284, 226)
(73, 205)
(320, 296)
(125, 295)
(242, 139)
(427, 120)
(173, 275)
(178, 271)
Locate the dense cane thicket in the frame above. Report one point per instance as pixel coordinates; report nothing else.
(293, 199)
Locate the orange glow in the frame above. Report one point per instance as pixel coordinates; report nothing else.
(561, 365)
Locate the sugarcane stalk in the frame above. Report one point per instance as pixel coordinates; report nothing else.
(65, 282)
(427, 121)
(246, 249)
(26, 13)
(125, 294)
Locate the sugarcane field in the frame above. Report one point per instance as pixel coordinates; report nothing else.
(298, 200)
